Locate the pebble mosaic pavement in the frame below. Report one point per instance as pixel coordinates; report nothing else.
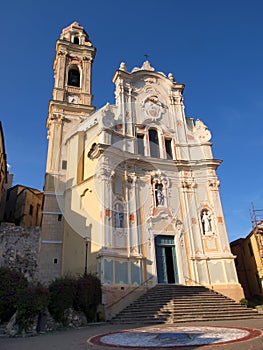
(173, 336)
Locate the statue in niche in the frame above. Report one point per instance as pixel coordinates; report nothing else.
(159, 196)
(206, 219)
(118, 216)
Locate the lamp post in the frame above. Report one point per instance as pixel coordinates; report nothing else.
(86, 256)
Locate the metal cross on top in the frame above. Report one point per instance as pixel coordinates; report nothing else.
(146, 56)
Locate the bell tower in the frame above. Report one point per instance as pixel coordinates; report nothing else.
(72, 98)
(71, 103)
(72, 68)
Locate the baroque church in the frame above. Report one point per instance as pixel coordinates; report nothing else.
(131, 191)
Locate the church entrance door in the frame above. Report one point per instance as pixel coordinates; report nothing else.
(166, 263)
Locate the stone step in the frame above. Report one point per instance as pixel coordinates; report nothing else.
(135, 308)
(181, 295)
(183, 300)
(183, 315)
(188, 315)
(131, 313)
(183, 320)
(187, 304)
(173, 303)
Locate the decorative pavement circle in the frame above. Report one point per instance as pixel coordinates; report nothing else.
(173, 336)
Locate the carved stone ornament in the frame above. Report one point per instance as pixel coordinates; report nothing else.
(178, 225)
(153, 108)
(56, 117)
(74, 59)
(87, 59)
(107, 110)
(201, 131)
(105, 175)
(131, 178)
(146, 66)
(123, 67)
(107, 116)
(171, 77)
(62, 53)
(159, 178)
(188, 184)
(95, 151)
(214, 184)
(149, 81)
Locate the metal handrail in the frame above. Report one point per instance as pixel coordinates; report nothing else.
(130, 292)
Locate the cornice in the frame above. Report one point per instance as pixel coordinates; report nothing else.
(135, 75)
(65, 106)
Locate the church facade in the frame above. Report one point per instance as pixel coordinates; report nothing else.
(131, 191)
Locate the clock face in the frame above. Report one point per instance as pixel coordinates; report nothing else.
(73, 99)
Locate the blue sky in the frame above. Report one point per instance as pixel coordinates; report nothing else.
(214, 48)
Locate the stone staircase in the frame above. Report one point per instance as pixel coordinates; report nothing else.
(169, 303)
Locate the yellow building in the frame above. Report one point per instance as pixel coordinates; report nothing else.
(131, 190)
(249, 261)
(23, 206)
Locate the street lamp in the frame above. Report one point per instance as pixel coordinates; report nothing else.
(86, 256)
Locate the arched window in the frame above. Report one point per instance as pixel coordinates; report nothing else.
(118, 216)
(76, 40)
(74, 77)
(154, 143)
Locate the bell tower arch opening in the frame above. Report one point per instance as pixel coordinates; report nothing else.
(76, 40)
(73, 76)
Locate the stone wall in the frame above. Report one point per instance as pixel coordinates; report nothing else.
(19, 248)
(116, 298)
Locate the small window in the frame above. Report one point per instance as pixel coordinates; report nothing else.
(76, 40)
(31, 208)
(140, 144)
(74, 77)
(168, 148)
(64, 164)
(59, 217)
(55, 260)
(154, 143)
